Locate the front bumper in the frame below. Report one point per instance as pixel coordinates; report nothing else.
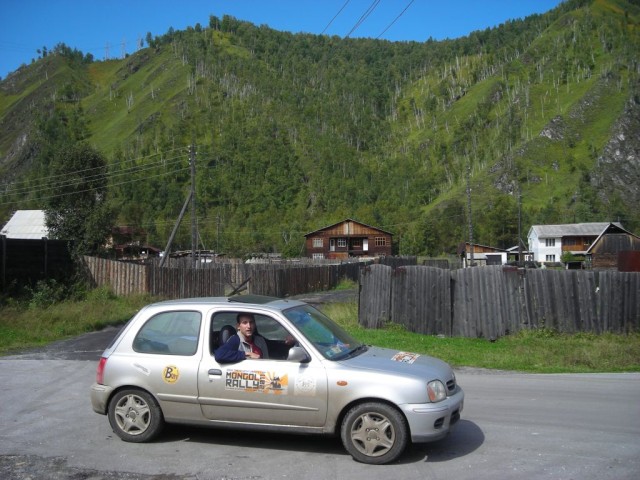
(429, 422)
(100, 395)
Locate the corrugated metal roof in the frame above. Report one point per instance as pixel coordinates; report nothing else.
(571, 229)
(26, 224)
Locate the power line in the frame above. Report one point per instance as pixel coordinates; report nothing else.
(395, 19)
(173, 172)
(70, 180)
(76, 181)
(334, 17)
(363, 17)
(66, 174)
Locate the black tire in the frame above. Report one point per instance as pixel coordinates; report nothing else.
(135, 416)
(374, 433)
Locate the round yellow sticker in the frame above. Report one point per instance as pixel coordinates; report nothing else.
(170, 374)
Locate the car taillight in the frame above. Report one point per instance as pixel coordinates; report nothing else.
(100, 370)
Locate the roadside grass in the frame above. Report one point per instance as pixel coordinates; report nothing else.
(534, 351)
(27, 325)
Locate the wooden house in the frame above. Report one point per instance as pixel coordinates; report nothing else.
(615, 249)
(348, 238)
(548, 243)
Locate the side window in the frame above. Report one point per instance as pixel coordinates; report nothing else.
(169, 333)
(275, 335)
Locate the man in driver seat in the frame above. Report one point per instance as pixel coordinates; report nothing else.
(248, 343)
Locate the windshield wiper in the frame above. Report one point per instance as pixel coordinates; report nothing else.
(355, 351)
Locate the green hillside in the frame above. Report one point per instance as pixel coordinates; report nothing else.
(295, 132)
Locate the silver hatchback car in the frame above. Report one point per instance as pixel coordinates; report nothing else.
(315, 378)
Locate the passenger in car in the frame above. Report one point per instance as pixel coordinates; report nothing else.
(246, 344)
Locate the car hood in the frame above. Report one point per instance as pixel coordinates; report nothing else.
(395, 361)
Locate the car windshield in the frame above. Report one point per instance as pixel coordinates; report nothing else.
(328, 338)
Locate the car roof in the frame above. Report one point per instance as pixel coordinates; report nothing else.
(247, 300)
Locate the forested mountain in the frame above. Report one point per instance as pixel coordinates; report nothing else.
(295, 131)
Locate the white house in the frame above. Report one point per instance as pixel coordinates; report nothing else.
(26, 224)
(549, 242)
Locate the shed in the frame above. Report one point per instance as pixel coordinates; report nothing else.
(482, 254)
(26, 225)
(614, 249)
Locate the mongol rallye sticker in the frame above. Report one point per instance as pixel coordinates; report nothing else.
(405, 357)
(257, 381)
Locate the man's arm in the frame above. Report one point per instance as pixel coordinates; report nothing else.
(229, 353)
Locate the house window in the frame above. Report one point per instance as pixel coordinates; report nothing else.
(342, 242)
(356, 243)
(317, 243)
(318, 256)
(550, 242)
(381, 241)
(550, 258)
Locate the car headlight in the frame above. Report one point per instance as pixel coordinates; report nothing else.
(436, 391)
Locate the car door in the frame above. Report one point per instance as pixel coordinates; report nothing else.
(167, 351)
(273, 391)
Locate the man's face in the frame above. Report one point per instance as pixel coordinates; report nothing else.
(247, 326)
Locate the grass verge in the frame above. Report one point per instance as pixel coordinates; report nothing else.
(534, 351)
(23, 325)
(543, 351)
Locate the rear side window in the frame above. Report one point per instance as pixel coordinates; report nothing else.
(170, 333)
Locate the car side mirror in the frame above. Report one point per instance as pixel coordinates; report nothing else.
(298, 354)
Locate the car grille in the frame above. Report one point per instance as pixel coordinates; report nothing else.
(451, 386)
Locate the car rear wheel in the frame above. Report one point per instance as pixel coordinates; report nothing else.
(135, 416)
(374, 433)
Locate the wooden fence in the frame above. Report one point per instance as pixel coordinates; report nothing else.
(489, 302)
(25, 262)
(214, 279)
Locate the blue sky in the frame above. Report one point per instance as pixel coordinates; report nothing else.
(115, 26)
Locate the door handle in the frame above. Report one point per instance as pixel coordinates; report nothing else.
(215, 371)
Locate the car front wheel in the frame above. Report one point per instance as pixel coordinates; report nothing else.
(374, 433)
(135, 416)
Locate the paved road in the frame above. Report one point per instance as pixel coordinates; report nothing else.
(514, 426)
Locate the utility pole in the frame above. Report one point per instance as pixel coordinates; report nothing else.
(218, 233)
(191, 199)
(194, 228)
(471, 259)
(167, 249)
(520, 260)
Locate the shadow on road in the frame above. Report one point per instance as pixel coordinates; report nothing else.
(465, 439)
(251, 439)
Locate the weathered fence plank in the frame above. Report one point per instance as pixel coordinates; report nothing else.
(463, 323)
(122, 278)
(374, 303)
(420, 299)
(619, 301)
(491, 302)
(180, 280)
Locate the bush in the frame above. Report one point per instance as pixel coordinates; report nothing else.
(46, 293)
